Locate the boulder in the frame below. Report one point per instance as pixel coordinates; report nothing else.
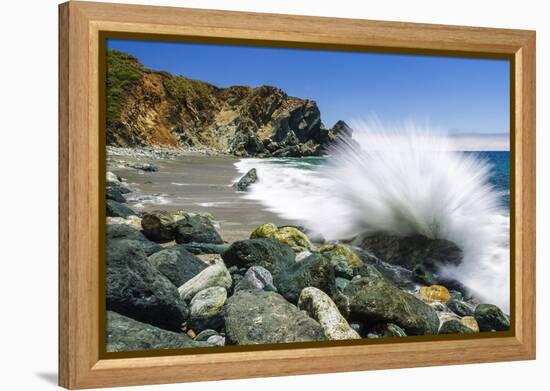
(422, 275)
(196, 228)
(373, 299)
(216, 340)
(128, 233)
(205, 308)
(120, 187)
(491, 318)
(115, 195)
(259, 317)
(148, 167)
(411, 250)
(136, 289)
(246, 180)
(177, 264)
(291, 236)
(215, 275)
(125, 334)
(256, 277)
(268, 253)
(434, 293)
(460, 308)
(471, 322)
(341, 283)
(116, 209)
(112, 178)
(159, 226)
(385, 330)
(321, 308)
(314, 271)
(205, 334)
(454, 326)
(204, 248)
(342, 251)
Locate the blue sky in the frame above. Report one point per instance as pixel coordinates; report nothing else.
(456, 94)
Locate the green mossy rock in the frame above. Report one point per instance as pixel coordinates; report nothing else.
(454, 326)
(291, 236)
(491, 318)
(341, 250)
(205, 309)
(314, 271)
(136, 289)
(177, 264)
(260, 317)
(373, 299)
(268, 253)
(125, 335)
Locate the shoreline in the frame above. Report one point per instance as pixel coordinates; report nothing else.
(194, 181)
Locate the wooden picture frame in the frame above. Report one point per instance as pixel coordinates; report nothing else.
(81, 176)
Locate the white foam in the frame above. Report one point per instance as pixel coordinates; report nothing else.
(404, 181)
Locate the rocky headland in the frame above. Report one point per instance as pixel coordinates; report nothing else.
(147, 108)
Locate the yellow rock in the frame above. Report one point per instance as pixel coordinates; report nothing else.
(264, 231)
(469, 321)
(333, 250)
(434, 293)
(291, 236)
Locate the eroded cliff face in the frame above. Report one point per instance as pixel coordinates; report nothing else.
(151, 108)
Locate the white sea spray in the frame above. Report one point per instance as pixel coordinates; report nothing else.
(405, 180)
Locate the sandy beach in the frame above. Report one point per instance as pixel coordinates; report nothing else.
(195, 183)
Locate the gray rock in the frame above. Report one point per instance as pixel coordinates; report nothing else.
(246, 180)
(215, 275)
(177, 264)
(159, 226)
(136, 289)
(373, 299)
(315, 271)
(256, 277)
(321, 308)
(205, 334)
(148, 167)
(205, 309)
(268, 253)
(116, 209)
(125, 232)
(125, 335)
(453, 326)
(115, 195)
(259, 317)
(216, 340)
(197, 229)
(341, 283)
(411, 250)
(204, 248)
(491, 318)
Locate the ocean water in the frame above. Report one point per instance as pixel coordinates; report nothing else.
(421, 185)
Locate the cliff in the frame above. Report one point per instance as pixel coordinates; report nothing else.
(155, 108)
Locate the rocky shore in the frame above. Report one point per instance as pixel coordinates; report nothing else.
(173, 282)
(156, 109)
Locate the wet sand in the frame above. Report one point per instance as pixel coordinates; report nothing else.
(195, 183)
